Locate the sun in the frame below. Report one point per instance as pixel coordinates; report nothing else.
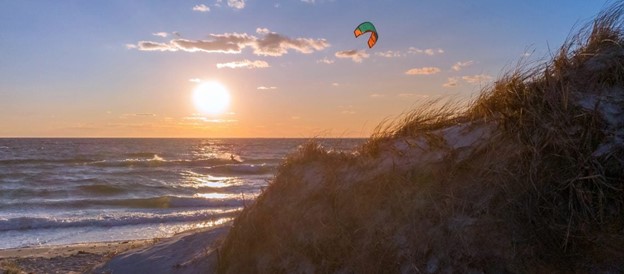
(211, 98)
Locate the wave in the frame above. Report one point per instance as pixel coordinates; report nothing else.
(142, 160)
(46, 161)
(98, 189)
(149, 203)
(158, 161)
(142, 154)
(24, 223)
(243, 169)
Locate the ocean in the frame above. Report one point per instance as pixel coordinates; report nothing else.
(67, 191)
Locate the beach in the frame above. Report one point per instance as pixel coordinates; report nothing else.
(189, 252)
(71, 204)
(76, 258)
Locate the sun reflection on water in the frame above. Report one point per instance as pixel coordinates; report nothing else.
(216, 195)
(196, 180)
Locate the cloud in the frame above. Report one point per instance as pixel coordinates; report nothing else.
(477, 79)
(377, 95)
(389, 54)
(154, 46)
(129, 115)
(262, 31)
(131, 46)
(423, 71)
(237, 4)
(202, 119)
(244, 64)
(266, 88)
(161, 34)
(348, 112)
(220, 43)
(459, 65)
(271, 44)
(451, 82)
(325, 61)
(195, 80)
(308, 1)
(335, 84)
(414, 50)
(201, 8)
(412, 95)
(355, 55)
(295, 117)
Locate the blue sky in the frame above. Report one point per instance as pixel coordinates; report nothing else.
(128, 68)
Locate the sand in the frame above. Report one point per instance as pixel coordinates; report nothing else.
(188, 252)
(76, 258)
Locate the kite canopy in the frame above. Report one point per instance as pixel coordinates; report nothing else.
(367, 27)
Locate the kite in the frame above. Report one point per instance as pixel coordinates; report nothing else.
(367, 27)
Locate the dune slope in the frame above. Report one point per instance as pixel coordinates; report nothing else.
(528, 178)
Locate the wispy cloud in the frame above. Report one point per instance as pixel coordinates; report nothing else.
(130, 115)
(377, 95)
(244, 64)
(451, 82)
(414, 50)
(154, 46)
(355, 55)
(266, 88)
(201, 8)
(348, 110)
(271, 44)
(202, 119)
(161, 34)
(477, 79)
(412, 95)
(389, 54)
(236, 4)
(423, 71)
(262, 31)
(325, 61)
(195, 80)
(308, 1)
(459, 65)
(274, 44)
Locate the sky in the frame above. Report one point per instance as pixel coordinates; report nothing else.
(294, 68)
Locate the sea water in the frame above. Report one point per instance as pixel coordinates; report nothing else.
(65, 191)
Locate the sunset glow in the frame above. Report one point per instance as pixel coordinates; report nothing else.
(211, 98)
(251, 68)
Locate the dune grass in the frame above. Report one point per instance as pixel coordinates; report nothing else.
(537, 195)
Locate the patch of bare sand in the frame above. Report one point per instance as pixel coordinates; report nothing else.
(78, 258)
(195, 251)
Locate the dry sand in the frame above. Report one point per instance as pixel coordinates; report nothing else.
(188, 252)
(77, 258)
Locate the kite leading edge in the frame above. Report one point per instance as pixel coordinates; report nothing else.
(367, 27)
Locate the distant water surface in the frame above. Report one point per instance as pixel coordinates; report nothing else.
(62, 191)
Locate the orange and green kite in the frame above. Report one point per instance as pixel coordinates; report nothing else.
(367, 27)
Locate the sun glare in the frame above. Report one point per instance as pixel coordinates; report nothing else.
(211, 98)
